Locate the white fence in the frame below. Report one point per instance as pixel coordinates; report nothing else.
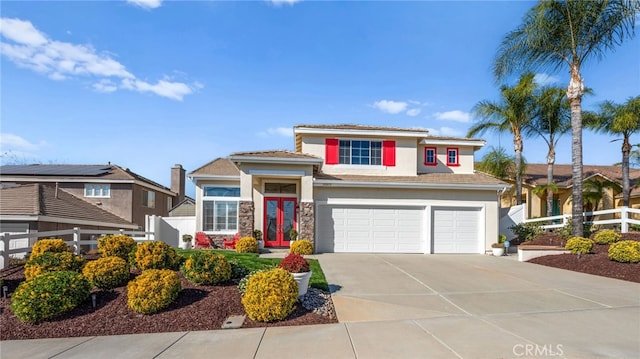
(19, 252)
(509, 217)
(620, 216)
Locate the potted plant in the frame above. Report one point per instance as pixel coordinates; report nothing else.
(497, 249)
(257, 234)
(298, 266)
(293, 234)
(186, 241)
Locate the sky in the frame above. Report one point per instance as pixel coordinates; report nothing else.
(149, 84)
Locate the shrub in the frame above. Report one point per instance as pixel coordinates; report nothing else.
(206, 268)
(242, 285)
(48, 245)
(50, 262)
(238, 271)
(302, 247)
(247, 245)
(625, 251)
(49, 295)
(270, 295)
(117, 245)
(567, 230)
(526, 231)
(155, 255)
(107, 272)
(294, 263)
(153, 290)
(606, 236)
(579, 245)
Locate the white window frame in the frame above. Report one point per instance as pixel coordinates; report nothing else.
(213, 200)
(93, 190)
(350, 149)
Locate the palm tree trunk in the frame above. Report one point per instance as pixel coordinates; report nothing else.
(517, 146)
(551, 159)
(575, 91)
(626, 149)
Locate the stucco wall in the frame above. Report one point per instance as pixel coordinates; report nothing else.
(465, 159)
(119, 202)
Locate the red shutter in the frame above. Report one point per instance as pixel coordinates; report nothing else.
(389, 153)
(331, 151)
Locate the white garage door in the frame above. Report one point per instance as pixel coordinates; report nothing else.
(370, 229)
(456, 230)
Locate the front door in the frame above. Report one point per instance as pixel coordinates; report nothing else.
(279, 219)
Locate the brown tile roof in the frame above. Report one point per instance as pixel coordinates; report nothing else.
(42, 200)
(218, 167)
(536, 173)
(362, 127)
(276, 154)
(426, 178)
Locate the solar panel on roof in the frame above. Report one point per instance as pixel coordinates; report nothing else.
(55, 170)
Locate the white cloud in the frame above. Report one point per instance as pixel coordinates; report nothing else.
(283, 2)
(455, 115)
(445, 131)
(413, 112)
(60, 60)
(277, 131)
(392, 107)
(9, 141)
(146, 4)
(543, 79)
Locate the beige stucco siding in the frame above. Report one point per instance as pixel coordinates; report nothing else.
(485, 201)
(465, 154)
(119, 201)
(406, 157)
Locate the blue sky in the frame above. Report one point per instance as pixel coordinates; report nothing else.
(148, 84)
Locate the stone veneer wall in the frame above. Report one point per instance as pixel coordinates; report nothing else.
(307, 222)
(245, 219)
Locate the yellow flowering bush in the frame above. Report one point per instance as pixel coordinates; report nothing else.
(50, 262)
(206, 268)
(153, 290)
(155, 255)
(270, 295)
(625, 251)
(247, 245)
(301, 247)
(49, 295)
(107, 272)
(579, 245)
(606, 236)
(117, 245)
(48, 245)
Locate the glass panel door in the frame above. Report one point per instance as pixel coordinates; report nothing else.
(279, 219)
(271, 222)
(288, 219)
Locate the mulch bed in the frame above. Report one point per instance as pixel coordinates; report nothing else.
(197, 308)
(597, 262)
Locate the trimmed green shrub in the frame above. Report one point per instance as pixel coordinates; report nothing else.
(238, 271)
(606, 236)
(302, 247)
(56, 245)
(50, 262)
(247, 245)
(526, 231)
(153, 290)
(117, 245)
(206, 268)
(625, 251)
(270, 295)
(49, 295)
(155, 255)
(579, 245)
(107, 272)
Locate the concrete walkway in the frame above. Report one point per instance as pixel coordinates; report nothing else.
(413, 306)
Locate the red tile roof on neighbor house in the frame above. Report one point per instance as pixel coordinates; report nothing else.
(46, 200)
(536, 173)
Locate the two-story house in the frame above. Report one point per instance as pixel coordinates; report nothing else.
(354, 188)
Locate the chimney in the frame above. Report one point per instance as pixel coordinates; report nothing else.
(177, 182)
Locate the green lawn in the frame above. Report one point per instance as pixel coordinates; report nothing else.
(252, 262)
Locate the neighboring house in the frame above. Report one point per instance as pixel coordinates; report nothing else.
(111, 188)
(353, 188)
(536, 175)
(186, 208)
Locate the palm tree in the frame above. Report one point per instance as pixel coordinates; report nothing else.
(616, 119)
(565, 34)
(511, 114)
(552, 120)
(594, 190)
(498, 163)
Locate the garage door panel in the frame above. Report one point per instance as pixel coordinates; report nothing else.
(456, 230)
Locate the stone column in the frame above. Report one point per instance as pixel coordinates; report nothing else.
(307, 221)
(245, 219)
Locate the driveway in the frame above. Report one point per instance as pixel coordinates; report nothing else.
(461, 303)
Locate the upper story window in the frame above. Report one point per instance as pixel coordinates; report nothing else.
(430, 156)
(148, 199)
(97, 190)
(360, 152)
(453, 156)
(220, 209)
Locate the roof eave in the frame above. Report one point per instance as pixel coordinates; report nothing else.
(276, 160)
(456, 186)
(360, 132)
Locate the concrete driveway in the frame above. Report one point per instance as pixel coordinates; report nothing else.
(480, 306)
